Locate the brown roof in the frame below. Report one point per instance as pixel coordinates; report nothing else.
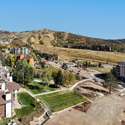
(12, 86)
(2, 101)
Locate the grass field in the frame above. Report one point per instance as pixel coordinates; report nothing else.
(66, 53)
(28, 105)
(37, 88)
(4, 121)
(60, 100)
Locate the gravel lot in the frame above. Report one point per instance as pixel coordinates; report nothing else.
(108, 110)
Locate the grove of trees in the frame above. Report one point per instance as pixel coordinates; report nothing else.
(23, 72)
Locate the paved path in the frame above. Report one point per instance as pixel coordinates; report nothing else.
(25, 90)
(63, 89)
(45, 93)
(59, 90)
(79, 82)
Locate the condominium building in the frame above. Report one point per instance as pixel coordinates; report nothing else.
(22, 50)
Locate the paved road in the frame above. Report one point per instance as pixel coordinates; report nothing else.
(45, 93)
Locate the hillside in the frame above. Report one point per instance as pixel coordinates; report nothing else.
(67, 46)
(60, 39)
(71, 54)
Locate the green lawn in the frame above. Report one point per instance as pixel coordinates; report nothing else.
(59, 101)
(4, 122)
(25, 99)
(28, 105)
(36, 88)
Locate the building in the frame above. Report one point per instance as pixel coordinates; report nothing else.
(31, 61)
(19, 51)
(27, 58)
(8, 93)
(120, 70)
(23, 53)
(68, 65)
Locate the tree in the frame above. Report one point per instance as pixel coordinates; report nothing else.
(110, 81)
(10, 60)
(69, 78)
(23, 73)
(7, 61)
(43, 64)
(58, 78)
(86, 64)
(45, 77)
(100, 64)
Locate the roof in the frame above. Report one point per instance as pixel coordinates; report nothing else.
(2, 101)
(121, 63)
(12, 86)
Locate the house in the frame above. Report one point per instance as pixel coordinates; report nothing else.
(31, 61)
(68, 65)
(8, 93)
(28, 58)
(23, 53)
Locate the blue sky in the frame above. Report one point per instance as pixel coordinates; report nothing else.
(96, 18)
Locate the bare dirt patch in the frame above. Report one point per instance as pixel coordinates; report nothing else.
(107, 110)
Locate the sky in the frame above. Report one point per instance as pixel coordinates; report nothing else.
(95, 18)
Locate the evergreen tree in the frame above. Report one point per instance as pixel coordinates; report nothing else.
(58, 78)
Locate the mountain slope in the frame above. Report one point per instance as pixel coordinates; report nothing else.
(60, 39)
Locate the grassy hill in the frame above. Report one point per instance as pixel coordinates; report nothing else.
(61, 39)
(69, 54)
(66, 45)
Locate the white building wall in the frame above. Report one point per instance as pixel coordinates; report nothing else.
(8, 105)
(11, 79)
(3, 86)
(8, 110)
(8, 75)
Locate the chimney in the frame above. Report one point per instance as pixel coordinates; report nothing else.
(8, 96)
(8, 75)
(3, 87)
(10, 79)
